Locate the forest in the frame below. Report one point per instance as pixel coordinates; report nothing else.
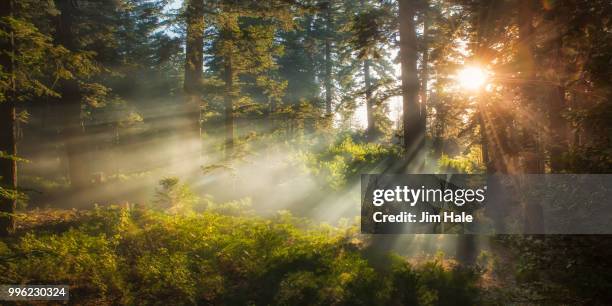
(209, 152)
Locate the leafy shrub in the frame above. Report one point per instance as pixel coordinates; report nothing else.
(346, 159)
(461, 164)
(140, 256)
(440, 286)
(73, 257)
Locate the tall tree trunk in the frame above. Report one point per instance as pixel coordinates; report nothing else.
(8, 143)
(532, 160)
(410, 82)
(229, 107)
(466, 244)
(439, 131)
(558, 129)
(484, 143)
(488, 159)
(8, 165)
(425, 68)
(328, 60)
(74, 134)
(559, 142)
(466, 249)
(194, 64)
(371, 129)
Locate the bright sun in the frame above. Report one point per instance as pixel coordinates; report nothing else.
(472, 78)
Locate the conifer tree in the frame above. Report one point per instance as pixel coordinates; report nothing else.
(31, 64)
(75, 139)
(194, 61)
(245, 51)
(8, 144)
(408, 58)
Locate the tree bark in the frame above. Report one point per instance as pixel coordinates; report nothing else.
(328, 60)
(8, 165)
(367, 79)
(371, 129)
(558, 128)
(466, 249)
(73, 133)
(424, 69)
(532, 160)
(559, 142)
(410, 85)
(8, 143)
(466, 244)
(194, 64)
(229, 107)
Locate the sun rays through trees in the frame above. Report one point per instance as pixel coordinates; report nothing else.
(227, 139)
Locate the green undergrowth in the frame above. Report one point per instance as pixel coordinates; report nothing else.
(345, 159)
(139, 256)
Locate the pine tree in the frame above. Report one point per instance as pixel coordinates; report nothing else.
(8, 144)
(408, 57)
(194, 61)
(243, 54)
(71, 98)
(372, 32)
(424, 75)
(31, 64)
(327, 8)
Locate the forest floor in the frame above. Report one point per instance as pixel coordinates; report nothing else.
(121, 254)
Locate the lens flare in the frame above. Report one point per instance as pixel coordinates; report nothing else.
(472, 78)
